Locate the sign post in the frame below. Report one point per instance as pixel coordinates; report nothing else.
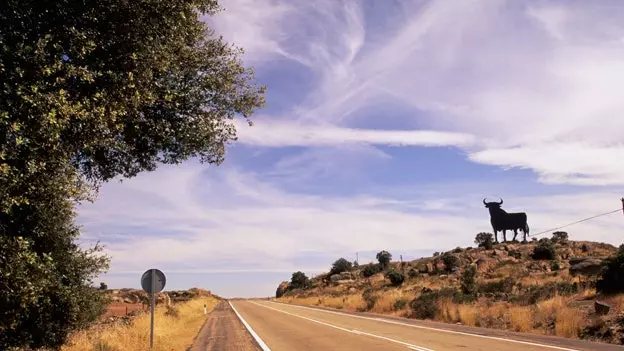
(153, 281)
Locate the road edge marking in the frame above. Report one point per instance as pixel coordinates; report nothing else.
(353, 331)
(256, 337)
(380, 319)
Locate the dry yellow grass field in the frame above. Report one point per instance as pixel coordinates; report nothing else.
(170, 333)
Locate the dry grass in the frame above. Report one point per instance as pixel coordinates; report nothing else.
(386, 300)
(618, 303)
(568, 321)
(348, 302)
(170, 333)
(468, 314)
(521, 318)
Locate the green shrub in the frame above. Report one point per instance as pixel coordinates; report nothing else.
(457, 250)
(612, 278)
(339, 266)
(384, 258)
(371, 269)
(103, 286)
(554, 265)
(450, 261)
(370, 298)
(468, 280)
(413, 273)
(485, 240)
(504, 285)
(535, 293)
(544, 250)
(396, 277)
(425, 306)
(400, 304)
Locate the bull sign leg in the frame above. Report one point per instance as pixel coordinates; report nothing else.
(515, 234)
(504, 235)
(495, 236)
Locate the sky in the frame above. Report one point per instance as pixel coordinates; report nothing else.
(387, 122)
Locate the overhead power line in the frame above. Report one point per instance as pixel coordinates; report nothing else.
(582, 220)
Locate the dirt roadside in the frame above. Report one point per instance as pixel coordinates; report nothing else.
(223, 331)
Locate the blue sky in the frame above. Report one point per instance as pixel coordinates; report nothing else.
(386, 124)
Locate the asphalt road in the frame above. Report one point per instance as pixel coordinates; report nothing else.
(279, 326)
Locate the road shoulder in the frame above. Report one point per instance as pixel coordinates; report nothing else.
(223, 331)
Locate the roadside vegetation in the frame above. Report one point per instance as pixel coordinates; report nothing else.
(84, 103)
(553, 286)
(175, 328)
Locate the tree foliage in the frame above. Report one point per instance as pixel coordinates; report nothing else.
(561, 237)
(340, 265)
(299, 281)
(612, 278)
(371, 269)
(485, 240)
(384, 257)
(89, 92)
(451, 261)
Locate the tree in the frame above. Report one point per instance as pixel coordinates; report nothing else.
(396, 277)
(384, 258)
(371, 269)
(485, 240)
(468, 280)
(356, 264)
(82, 103)
(561, 237)
(339, 266)
(103, 286)
(612, 278)
(299, 281)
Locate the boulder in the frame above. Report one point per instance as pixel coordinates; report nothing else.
(601, 308)
(345, 275)
(335, 278)
(587, 266)
(281, 289)
(430, 268)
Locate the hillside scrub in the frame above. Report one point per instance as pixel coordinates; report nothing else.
(502, 288)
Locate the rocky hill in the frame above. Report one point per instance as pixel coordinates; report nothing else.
(545, 287)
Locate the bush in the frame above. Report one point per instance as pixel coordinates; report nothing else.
(396, 277)
(371, 269)
(457, 250)
(413, 273)
(501, 286)
(425, 306)
(299, 281)
(544, 250)
(485, 240)
(584, 248)
(103, 286)
(515, 254)
(450, 261)
(555, 266)
(612, 278)
(468, 280)
(537, 293)
(561, 237)
(436, 254)
(400, 304)
(384, 258)
(369, 298)
(340, 265)
(356, 264)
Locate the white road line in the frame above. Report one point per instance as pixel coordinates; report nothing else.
(261, 343)
(436, 329)
(353, 331)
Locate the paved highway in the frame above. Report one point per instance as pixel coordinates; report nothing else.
(277, 326)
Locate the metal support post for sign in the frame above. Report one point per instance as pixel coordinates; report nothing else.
(152, 309)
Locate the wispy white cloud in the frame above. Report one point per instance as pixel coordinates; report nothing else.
(513, 76)
(280, 134)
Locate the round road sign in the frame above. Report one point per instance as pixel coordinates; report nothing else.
(159, 281)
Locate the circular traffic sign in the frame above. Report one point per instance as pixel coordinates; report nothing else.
(156, 286)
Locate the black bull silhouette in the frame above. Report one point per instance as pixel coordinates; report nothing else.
(503, 221)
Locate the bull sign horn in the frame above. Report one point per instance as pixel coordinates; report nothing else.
(485, 203)
(501, 201)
